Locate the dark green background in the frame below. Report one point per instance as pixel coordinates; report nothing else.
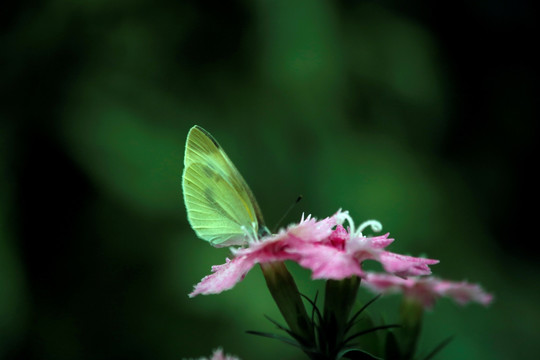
(415, 113)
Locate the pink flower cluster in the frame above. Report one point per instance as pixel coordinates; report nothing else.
(332, 252)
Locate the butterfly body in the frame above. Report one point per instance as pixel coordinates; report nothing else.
(220, 205)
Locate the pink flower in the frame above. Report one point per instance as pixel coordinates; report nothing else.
(269, 249)
(341, 254)
(325, 247)
(218, 355)
(427, 289)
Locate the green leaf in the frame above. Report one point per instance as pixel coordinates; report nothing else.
(357, 354)
(275, 336)
(371, 342)
(360, 333)
(392, 351)
(353, 321)
(439, 347)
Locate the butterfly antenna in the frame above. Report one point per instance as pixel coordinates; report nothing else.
(287, 213)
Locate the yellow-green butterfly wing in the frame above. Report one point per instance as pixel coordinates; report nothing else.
(220, 205)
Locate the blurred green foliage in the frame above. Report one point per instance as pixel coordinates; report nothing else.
(419, 115)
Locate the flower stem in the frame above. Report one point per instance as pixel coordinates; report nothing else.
(340, 296)
(288, 299)
(411, 313)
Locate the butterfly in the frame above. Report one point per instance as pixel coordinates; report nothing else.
(220, 205)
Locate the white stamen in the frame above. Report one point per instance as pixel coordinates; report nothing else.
(343, 216)
(374, 224)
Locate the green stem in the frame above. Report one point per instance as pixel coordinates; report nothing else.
(411, 313)
(288, 299)
(339, 299)
(340, 296)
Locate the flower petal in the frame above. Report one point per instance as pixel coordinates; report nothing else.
(427, 289)
(269, 249)
(381, 242)
(327, 262)
(463, 292)
(403, 265)
(224, 276)
(338, 238)
(310, 229)
(219, 355)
